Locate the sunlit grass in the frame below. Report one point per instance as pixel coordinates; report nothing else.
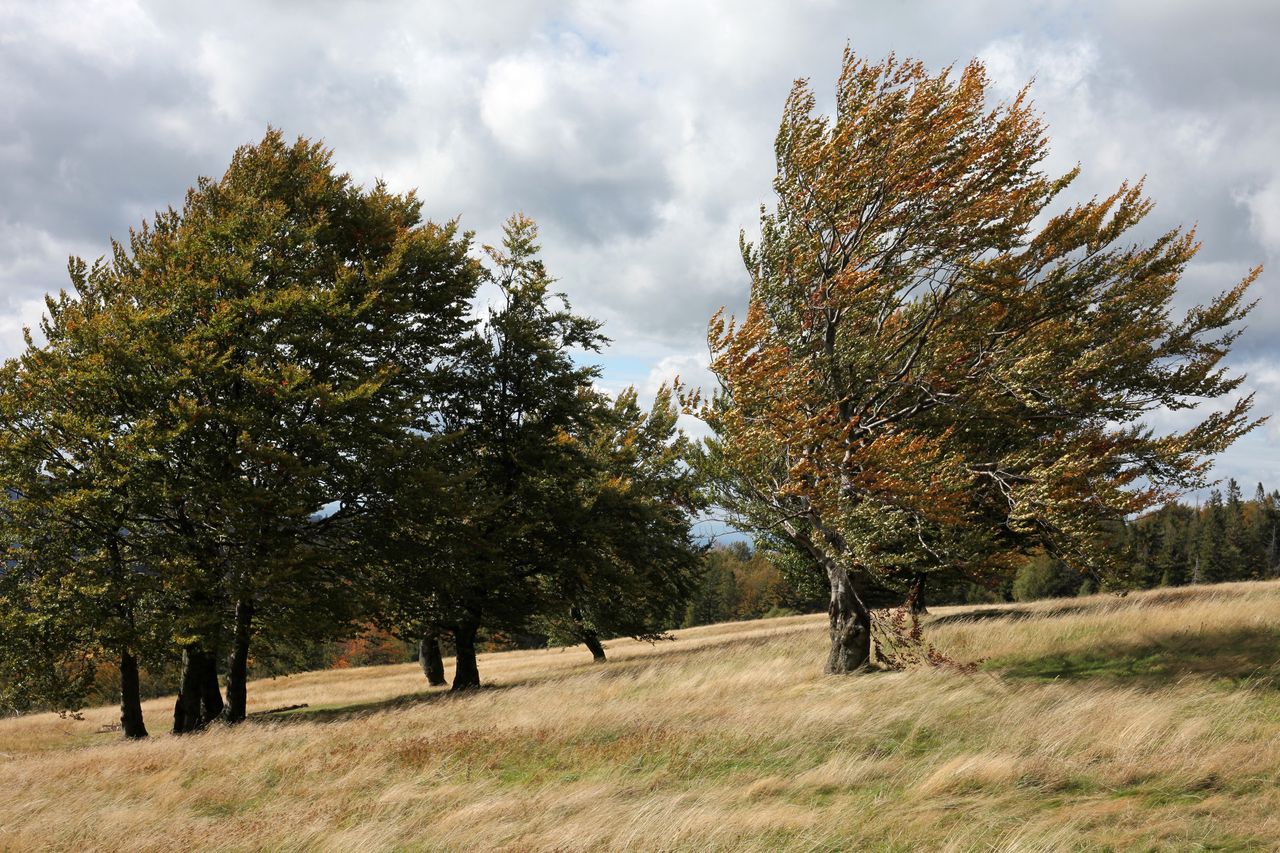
(1145, 722)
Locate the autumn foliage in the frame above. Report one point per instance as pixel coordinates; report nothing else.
(935, 372)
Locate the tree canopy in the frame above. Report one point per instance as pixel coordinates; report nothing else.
(271, 418)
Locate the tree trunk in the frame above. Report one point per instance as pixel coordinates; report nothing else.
(430, 659)
(592, 641)
(916, 597)
(211, 704)
(238, 670)
(199, 699)
(588, 636)
(466, 674)
(850, 625)
(130, 698)
(186, 710)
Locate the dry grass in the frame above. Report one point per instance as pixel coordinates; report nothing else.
(1149, 722)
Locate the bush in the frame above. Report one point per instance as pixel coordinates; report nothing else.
(1044, 577)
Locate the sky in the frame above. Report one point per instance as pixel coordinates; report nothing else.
(639, 135)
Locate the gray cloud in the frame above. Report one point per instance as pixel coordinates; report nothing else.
(638, 134)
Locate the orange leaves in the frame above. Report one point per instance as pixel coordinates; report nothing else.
(911, 471)
(931, 370)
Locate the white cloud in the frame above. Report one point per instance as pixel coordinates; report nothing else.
(1263, 205)
(691, 371)
(639, 134)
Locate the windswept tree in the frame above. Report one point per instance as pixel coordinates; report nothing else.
(313, 317)
(935, 372)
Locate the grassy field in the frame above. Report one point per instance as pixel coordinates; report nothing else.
(1148, 722)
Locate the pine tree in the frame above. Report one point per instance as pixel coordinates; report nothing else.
(1256, 534)
(1211, 548)
(1171, 559)
(1235, 546)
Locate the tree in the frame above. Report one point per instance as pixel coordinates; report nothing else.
(1211, 563)
(75, 463)
(625, 560)
(1267, 523)
(509, 465)
(1171, 559)
(1044, 577)
(715, 597)
(933, 372)
(1235, 547)
(263, 350)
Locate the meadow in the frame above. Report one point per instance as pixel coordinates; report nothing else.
(1144, 722)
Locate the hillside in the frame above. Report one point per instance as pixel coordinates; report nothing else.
(1145, 722)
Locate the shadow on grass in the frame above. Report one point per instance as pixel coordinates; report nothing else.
(626, 667)
(1238, 656)
(337, 713)
(1172, 596)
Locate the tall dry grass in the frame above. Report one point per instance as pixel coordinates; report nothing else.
(1145, 722)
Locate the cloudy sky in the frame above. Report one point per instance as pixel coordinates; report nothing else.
(638, 134)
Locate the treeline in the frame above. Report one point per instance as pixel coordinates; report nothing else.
(295, 410)
(1227, 538)
(737, 582)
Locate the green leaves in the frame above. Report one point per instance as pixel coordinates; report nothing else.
(235, 369)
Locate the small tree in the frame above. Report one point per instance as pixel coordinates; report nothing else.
(935, 373)
(624, 561)
(80, 483)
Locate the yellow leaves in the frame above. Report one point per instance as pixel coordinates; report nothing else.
(618, 484)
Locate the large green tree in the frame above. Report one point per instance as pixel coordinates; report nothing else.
(936, 371)
(265, 349)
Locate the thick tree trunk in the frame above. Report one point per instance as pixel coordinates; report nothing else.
(916, 597)
(238, 670)
(850, 625)
(466, 674)
(130, 698)
(588, 636)
(186, 710)
(199, 699)
(592, 641)
(430, 659)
